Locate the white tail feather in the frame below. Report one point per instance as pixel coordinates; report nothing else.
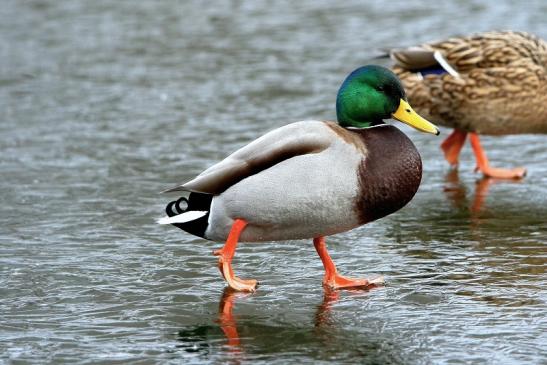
(182, 218)
(444, 64)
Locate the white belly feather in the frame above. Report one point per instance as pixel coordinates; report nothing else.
(303, 197)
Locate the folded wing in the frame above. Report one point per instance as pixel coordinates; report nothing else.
(272, 148)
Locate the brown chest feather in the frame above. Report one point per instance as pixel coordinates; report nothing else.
(389, 175)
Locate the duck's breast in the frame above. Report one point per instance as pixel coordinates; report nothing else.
(390, 174)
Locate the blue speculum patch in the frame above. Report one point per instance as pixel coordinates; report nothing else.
(434, 70)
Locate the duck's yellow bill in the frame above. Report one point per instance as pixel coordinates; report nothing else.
(408, 116)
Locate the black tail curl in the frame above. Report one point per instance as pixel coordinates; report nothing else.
(195, 201)
(174, 208)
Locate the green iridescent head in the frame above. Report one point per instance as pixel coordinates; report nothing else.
(373, 93)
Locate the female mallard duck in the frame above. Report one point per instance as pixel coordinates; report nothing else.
(492, 83)
(310, 179)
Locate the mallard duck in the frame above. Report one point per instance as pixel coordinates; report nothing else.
(310, 179)
(492, 83)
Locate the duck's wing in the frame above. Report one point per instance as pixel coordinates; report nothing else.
(292, 140)
(413, 58)
(463, 54)
(451, 56)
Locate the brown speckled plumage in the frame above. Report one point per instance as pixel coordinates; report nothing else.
(502, 88)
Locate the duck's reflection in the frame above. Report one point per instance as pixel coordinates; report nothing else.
(234, 340)
(201, 339)
(456, 191)
(226, 318)
(323, 315)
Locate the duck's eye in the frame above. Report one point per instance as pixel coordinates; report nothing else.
(380, 88)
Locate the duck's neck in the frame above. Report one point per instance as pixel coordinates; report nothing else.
(347, 117)
(359, 124)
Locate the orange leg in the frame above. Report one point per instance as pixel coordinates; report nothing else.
(334, 280)
(452, 146)
(484, 166)
(227, 254)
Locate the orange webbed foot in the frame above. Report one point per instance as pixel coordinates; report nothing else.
(332, 279)
(225, 260)
(236, 283)
(498, 173)
(233, 281)
(337, 281)
(484, 166)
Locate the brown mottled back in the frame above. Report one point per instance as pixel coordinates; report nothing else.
(502, 88)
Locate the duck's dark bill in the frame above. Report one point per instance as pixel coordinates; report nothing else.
(406, 115)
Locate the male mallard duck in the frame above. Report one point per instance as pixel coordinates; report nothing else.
(310, 179)
(492, 83)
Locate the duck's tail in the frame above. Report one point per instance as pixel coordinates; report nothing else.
(190, 215)
(183, 217)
